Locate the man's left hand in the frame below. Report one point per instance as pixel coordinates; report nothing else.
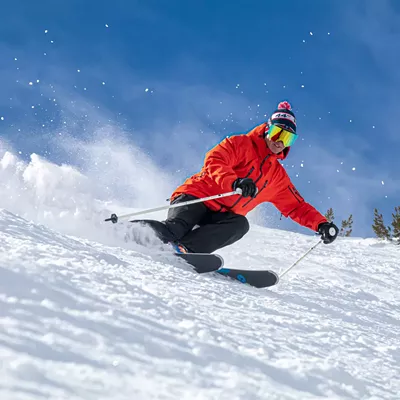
(328, 232)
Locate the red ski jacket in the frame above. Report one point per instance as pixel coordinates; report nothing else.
(248, 156)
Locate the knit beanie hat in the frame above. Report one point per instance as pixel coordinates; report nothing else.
(284, 116)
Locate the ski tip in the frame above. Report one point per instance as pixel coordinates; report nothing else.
(222, 260)
(277, 277)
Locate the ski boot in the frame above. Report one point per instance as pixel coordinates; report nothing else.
(179, 248)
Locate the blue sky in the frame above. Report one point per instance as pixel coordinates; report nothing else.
(176, 76)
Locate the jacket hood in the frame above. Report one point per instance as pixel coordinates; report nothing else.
(257, 133)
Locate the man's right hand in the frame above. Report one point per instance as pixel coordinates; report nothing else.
(249, 188)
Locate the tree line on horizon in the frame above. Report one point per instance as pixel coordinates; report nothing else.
(382, 231)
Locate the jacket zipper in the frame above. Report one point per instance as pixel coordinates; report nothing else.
(294, 194)
(247, 202)
(259, 177)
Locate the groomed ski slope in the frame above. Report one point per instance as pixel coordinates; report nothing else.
(86, 319)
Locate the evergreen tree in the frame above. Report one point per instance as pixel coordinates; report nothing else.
(330, 216)
(396, 224)
(381, 231)
(347, 226)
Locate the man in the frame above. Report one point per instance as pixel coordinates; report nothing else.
(249, 162)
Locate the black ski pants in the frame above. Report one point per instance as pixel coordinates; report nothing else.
(198, 228)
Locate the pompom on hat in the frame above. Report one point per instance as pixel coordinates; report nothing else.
(284, 116)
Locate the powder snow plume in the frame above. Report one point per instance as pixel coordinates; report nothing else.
(112, 177)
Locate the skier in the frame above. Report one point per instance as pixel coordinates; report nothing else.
(249, 162)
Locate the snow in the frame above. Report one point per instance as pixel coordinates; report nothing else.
(85, 315)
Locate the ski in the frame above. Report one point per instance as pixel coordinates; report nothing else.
(204, 263)
(258, 279)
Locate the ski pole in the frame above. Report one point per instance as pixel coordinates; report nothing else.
(303, 256)
(114, 218)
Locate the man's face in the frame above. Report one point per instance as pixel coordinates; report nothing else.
(275, 147)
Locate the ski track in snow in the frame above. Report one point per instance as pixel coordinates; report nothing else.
(85, 315)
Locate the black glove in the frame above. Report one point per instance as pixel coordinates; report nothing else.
(328, 232)
(249, 188)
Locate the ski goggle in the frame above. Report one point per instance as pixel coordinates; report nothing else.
(277, 133)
